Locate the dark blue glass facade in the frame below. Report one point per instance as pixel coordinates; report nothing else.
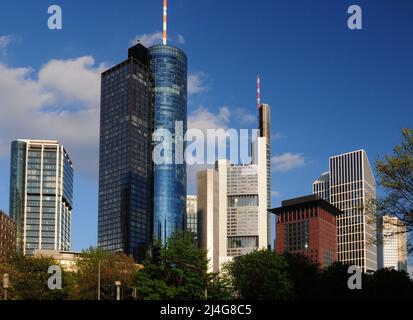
(125, 166)
(168, 66)
(17, 188)
(41, 195)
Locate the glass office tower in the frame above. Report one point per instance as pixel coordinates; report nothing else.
(168, 66)
(125, 165)
(41, 195)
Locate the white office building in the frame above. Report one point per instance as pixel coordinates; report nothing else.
(394, 244)
(232, 207)
(350, 186)
(41, 195)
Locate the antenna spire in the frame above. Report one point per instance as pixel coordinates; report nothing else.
(165, 10)
(258, 91)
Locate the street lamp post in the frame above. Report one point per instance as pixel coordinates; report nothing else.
(5, 284)
(99, 279)
(118, 284)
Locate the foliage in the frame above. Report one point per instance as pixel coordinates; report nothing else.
(261, 275)
(389, 284)
(28, 278)
(113, 267)
(178, 271)
(395, 175)
(304, 274)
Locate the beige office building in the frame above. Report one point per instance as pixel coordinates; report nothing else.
(350, 186)
(394, 244)
(232, 207)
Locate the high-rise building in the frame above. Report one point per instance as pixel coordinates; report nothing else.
(210, 224)
(264, 131)
(168, 66)
(352, 189)
(321, 186)
(232, 207)
(394, 243)
(125, 163)
(191, 214)
(307, 226)
(41, 195)
(7, 235)
(138, 198)
(264, 128)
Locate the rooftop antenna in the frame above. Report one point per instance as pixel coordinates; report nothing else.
(258, 91)
(165, 10)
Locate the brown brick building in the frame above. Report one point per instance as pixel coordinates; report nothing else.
(7, 235)
(307, 225)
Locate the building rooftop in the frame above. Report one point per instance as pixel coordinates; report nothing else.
(306, 200)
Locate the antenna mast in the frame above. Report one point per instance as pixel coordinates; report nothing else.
(165, 10)
(258, 91)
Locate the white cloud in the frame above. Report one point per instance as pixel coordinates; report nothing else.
(287, 161)
(150, 39)
(60, 102)
(196, 83)
(275, 193)
(180, 39)
(244, 116)
(203, 119)
(4, 43)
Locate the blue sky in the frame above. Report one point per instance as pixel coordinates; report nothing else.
(331, 90)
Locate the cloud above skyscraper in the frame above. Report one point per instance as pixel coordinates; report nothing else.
(150, 39)
(287, 161)
(60, 101)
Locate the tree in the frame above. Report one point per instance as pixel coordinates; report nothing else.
(261, 275)
(395, 175)
(390, 284)
(113, 267)
(178, 271)
(219, 287)
(29, 277)
(304, 274)
(333, 283)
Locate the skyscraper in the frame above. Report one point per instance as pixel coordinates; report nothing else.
(168, 66)
(232, 207)
(41, 195)
(264, 128)
(394, 244)
(321, 186)
(191, 214)
(352, 189)
(307, 226)
(125, 163)
(140, 199)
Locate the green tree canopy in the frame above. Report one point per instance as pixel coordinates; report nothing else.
(395, 175)
(177, 270)
(261, 275)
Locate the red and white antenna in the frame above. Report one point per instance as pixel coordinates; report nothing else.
(165, 10)
(258, 91)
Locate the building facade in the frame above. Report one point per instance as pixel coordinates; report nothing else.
(232, 207)
(394, 244)
(191, 214)
(125, 163)
(41, 195)
(168, 66)
(264, 127)
(307, 226)
(66, 259)
(352, 189)
(321, 186)
(7, 235)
